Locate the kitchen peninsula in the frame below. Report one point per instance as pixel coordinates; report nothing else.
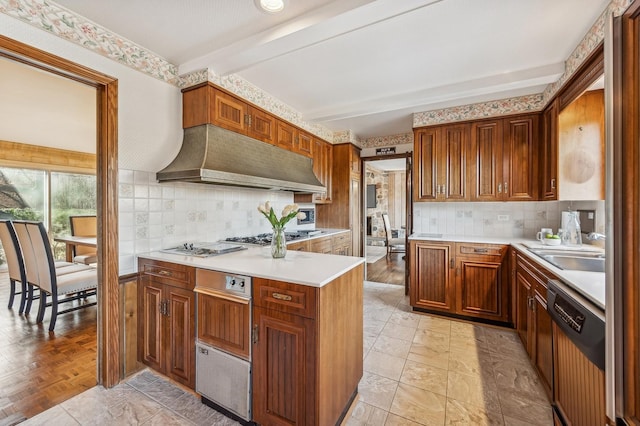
(305, 327)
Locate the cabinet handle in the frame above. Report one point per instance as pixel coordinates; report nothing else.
(499, 188)
(247, 120)
(161, 307)
(254, 334)
(164, 273)
(166, 308)
(505, 188)
(281, 296)
(553, 184)
(531, 303)
(481, 250)
(451, 263)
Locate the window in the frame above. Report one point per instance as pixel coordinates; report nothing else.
(46, 196)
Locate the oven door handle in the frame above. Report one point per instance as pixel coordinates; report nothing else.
(222, 295)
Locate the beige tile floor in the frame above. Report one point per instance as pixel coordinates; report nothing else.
(418, 370)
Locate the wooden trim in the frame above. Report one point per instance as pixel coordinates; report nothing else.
(587, 74)
(107, 193)
(626, 199)
(26, 155)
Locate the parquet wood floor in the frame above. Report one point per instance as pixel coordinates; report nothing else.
(389, 269)
(38, 369)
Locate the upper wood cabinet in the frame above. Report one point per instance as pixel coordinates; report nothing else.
(549, 153)
(285, 135)
(441, 159)
(261, 125)
(303, 143)
(322, 167)
(504, 159)
(207, 104)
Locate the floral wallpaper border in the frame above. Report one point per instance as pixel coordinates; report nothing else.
(515, 105)
(70, 26)
(66, 24)
(391, 140)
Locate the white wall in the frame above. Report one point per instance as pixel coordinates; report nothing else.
(149, 110)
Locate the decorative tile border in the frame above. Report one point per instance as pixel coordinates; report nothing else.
(377, 142)
(55, 19)
(520, 104)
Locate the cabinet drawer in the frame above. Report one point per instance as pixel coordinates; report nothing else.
(168, 273)
(285, 297)
(344, 238)
(298, 246)
(321, 245)
(466, 249)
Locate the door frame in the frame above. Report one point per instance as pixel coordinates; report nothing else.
(408, 156)
(108, 356)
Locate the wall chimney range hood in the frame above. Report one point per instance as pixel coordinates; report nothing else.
(211, 154)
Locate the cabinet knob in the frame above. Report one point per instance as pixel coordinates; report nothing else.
(499, 188)
(164, 273)
(505, 188)
(553, 184)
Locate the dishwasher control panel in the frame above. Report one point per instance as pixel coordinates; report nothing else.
(238, 285)
(235, 283)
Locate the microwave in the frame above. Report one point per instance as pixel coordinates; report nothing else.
(310, 216)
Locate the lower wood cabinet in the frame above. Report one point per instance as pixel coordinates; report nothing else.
(431, 276)
(331, 244)
(533, 322)
(459, 278)
(166, 319)
(307, 355)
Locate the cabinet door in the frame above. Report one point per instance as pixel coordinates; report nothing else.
(486, 161)
(431, 286)
(543, 340)
(303, 143)
(328, 170)
(320, 245)
(549, 160)
(229, 112)
(150, 326)
(425, 161)
(285, 135)
(524, 324)
(262, 126)
(283, 372)
(452, 162)
(224, 323)
(355, 197)
(520, 165)
(180, 335)
(481, 288)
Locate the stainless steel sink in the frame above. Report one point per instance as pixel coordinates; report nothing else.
(573, 260)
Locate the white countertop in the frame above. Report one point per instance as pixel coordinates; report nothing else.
(311, 269)
(591, 285)
(326, 232)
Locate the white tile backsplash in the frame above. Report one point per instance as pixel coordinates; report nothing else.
(499, 219)
(153, 216)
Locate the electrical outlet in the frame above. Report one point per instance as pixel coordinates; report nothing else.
(503, 218)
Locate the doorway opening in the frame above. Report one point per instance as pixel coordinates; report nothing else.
(107, 330)
(387, 217)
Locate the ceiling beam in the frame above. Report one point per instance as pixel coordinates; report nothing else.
(332, 20)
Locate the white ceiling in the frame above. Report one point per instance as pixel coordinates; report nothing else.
(362, 65)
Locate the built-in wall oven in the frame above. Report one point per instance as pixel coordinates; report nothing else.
(223, 345)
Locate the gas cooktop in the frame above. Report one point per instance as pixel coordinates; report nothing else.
(265, 239)
(204, 249)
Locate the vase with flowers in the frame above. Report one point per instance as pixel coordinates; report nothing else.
(278, 241)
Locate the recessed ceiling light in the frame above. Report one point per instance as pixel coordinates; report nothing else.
(270, 6)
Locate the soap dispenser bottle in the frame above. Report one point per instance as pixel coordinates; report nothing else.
(573, 236)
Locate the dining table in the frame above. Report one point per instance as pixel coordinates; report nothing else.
(72, 241)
